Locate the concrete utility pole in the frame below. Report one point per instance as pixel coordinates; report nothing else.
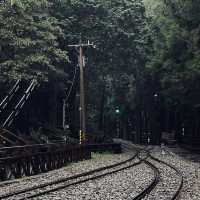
(82, 132)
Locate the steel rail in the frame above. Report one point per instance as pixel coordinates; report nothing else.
(153, 183)
(144, 193)
(79, 182)
(156, 178)
(178, 191)
(63, 180)
(141, 195)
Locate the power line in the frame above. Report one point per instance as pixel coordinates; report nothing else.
(72, 85)
(80, 46)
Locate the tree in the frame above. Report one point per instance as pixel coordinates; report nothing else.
(174, 63)
(119, 31)
(29, 41)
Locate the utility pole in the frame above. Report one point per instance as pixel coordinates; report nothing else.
(82, 110)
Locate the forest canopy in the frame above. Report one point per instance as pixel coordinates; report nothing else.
(144, 47)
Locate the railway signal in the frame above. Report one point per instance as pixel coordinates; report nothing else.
(117, 112)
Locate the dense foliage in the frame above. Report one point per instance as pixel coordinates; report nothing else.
(175, 61)
(35, 35)
(29, 40)
(147, 52)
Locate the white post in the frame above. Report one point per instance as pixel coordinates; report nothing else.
(64, 106)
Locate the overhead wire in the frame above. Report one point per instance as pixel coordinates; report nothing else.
(71, 87)
(72, 84)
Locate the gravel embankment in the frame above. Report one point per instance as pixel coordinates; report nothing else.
(189, 169)
(122, 185)
(98, 160)
(167, 185)
(188, 164)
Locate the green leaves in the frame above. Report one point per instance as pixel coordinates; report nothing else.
(30, 40)
(175, 59)
(34, 35)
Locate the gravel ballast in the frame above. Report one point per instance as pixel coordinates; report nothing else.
(121, 185)
(98, 160)
(189, 169)
(167, 185)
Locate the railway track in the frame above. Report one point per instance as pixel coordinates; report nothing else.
(171, 181)
(44, 189)
(154, 190)
(59, 184)
(166, 185)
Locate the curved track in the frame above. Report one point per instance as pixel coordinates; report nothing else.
(143, 155)
(153, 183)
(73, 180)
(175, 195)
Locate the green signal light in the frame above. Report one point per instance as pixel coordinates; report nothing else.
(117, 111)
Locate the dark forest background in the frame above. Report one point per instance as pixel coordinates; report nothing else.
(142, 78)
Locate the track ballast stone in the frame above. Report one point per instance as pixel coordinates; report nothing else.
(123, 185)
(189, 169)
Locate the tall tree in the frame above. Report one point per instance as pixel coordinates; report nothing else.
(29, 46)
